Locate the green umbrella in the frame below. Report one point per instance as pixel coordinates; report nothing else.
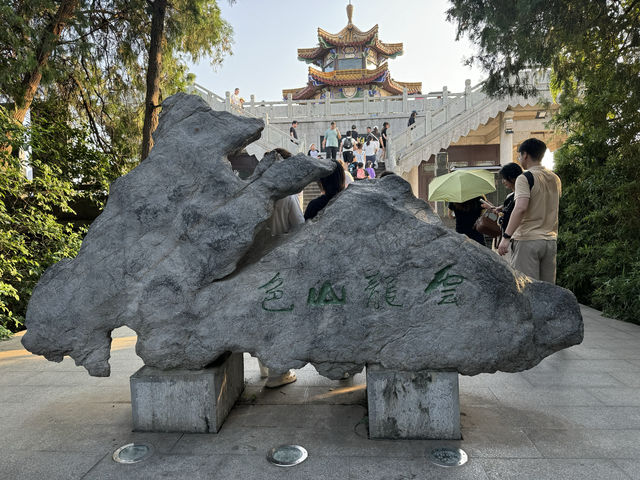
(461, 185)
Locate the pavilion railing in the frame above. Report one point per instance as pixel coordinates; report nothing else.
(272, 136)
(455, 118)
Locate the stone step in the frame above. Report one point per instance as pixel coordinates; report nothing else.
(310, 192)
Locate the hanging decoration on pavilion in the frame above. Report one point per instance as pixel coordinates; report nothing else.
(348, 64)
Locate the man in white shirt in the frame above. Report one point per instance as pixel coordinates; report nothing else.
(236, 101)
(532, 231)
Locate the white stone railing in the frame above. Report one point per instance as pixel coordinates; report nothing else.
(455, 119)
(288, 110)
(272, 136)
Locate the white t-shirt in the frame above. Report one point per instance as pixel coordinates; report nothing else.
(286, 215)
(313, 153)
(370, 150)
(348, 179)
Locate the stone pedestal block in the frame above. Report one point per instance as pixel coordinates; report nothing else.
(194, 401)
(421, 405)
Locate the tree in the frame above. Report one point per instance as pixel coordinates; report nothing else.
(87, 106)
(195, 25)
(593, 49)
(91, 52)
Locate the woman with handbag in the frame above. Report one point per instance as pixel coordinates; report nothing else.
(509, 173)
(466, 214)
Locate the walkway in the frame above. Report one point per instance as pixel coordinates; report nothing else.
(574, 416)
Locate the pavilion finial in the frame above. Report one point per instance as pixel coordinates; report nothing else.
(350, 12)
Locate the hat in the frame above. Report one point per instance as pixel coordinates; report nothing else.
(353, 127)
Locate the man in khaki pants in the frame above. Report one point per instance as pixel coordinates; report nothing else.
(533, 227)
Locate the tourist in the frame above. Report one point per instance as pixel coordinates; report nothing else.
(330, 185)
(361, 174)
(293, 133)
(508, 173)
(313, 151)
(376, 133)
(331, 141)
(348, 178)
(286, 215)
(370, 171)
(533, 227)
(353, 168)
(354, 132)
(369, 133)
(346, 148)
(466, 214)
(358, 154)
(370, 149)
(236, 101)
(412, 118)
(384, 139)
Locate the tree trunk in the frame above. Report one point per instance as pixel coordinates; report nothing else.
(50, 37)
(151, 103)
(48, 41)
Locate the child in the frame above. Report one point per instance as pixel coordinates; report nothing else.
(313, 151)
(370, 171)
(360, 173)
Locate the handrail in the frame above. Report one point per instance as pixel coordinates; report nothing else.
(403, 146)
(271, 138)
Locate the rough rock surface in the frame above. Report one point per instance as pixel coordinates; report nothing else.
(180, 256)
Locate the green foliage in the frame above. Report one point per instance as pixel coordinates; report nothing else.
(593, 49)
(86, 120)
(31, 236)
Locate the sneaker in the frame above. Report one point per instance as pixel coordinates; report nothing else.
(279, 380)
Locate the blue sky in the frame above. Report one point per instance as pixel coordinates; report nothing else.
(267, 34)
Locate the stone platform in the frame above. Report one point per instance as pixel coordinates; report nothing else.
(576, 415)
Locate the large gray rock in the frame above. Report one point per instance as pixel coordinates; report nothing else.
(180, 256)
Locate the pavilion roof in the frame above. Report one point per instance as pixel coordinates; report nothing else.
(348, 36)
(354, 77)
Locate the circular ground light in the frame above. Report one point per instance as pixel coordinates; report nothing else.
(448, 457)
(287, 455)
(132, 453)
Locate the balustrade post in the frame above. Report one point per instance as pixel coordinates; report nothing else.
(386, 105)
(227, 101)
(327, 105)
(405, 100)
(445, 95)
(309, 108)
(428, 122)
(365, 102)
(467, 94)
(290, 105)
(266, 127)
(253, 104)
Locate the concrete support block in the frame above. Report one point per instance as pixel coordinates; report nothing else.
(419, 405)
(191, 401)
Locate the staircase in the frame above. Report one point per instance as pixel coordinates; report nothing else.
(272, 137)
(455, 119)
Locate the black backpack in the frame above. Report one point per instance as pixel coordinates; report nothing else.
(347, 143)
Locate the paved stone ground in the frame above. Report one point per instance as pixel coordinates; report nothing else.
(574, 416)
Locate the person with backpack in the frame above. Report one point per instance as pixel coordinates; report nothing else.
(532, 231)
(346, 148)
